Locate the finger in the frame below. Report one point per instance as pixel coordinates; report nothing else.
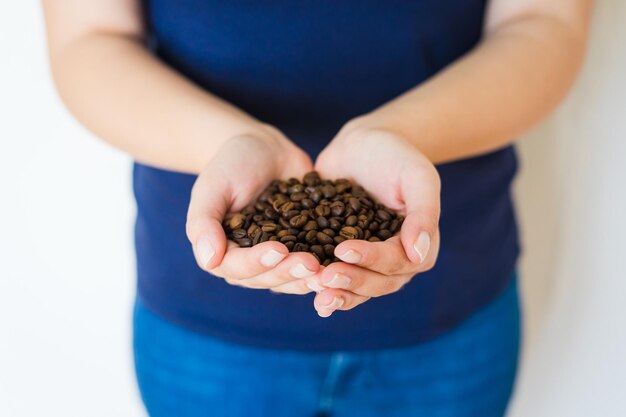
(360, 281)
(296, 266)
(388, 257)
(209, 203)
(241, 263)
(328, 301)
(420, 228)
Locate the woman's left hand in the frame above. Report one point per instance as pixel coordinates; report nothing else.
(403, 179)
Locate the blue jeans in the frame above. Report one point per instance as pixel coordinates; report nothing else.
(467, 372)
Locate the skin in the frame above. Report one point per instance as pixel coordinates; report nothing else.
(526, 63)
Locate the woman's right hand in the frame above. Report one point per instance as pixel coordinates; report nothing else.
(237, 173)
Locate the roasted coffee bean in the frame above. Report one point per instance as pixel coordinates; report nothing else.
(383, 215)
(322, 210)
(284, 223)
(329, 191)
(298, 196)
(384, 234)
(311, 236)
(355, 204)
(322, 222)
(299, 220)
(323, 238)
(311, 225)
(349, 232)
(318, 250)
(334, 224)
(296, 188)
(337, 208)
(311, 178)
(307, 203)
(269, 227)
(244, 242)
(288, 238)
(312, 215)
(301, 247)
(271, 214)
(351, 220)
(237, 221)
(253, 231)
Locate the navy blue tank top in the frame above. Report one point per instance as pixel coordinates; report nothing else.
(307, 67)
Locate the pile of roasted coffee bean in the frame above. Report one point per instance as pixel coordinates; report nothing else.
(312, 215)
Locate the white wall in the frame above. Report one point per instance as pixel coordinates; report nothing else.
(572, 199)
(66, 265)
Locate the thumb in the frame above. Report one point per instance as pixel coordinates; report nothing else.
(209, 203)
(420, 230)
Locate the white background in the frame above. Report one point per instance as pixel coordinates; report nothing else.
(66, 260)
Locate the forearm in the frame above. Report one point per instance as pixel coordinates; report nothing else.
(483, 101)
(126, 96)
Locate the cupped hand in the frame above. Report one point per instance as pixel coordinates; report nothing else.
(239, 171)
(403, 179)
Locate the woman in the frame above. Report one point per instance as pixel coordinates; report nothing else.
(216, 99)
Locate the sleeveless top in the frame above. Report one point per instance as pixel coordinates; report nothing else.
(307, 67)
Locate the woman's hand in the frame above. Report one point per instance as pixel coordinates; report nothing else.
(240, 170)
(403, 179)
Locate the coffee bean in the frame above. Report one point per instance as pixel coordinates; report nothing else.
(244, 242)
(349, 232)
(322, 210)
(310, 225)
(307, 203)
(322, 222)
(311, 178)
(312, 215)
(329, 191)
(318, 250)
(337, 208)
(355, 204)
(311, 236)
(237, 221)
(351, 220)
(323, 238)
(334, 224)
(298, 196)
(288, 238)
(384, 234)
(383, 215)
(299, 220)
(269, 227)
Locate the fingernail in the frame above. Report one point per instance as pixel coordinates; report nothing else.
(314, 286)
(350, 257)
(205, 250)
(300, 271)
(422, 245)
(338, 281)
(272, 258)
(336, 303)
(325, 313)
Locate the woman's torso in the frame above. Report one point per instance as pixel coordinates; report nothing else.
(308, 67)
